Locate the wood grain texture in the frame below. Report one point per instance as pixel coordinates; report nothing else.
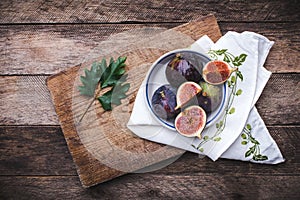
(151, 186)
(42, 151)
(41, 49)
(284, 54)
(48, 49)
(34, 151)
(25, 100)
(145, 11)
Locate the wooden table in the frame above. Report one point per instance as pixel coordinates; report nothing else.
(40, 38)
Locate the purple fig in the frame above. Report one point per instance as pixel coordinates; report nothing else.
(180, 70)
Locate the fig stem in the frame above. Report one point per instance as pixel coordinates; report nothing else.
(233, 69)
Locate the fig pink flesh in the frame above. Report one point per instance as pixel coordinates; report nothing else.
(216, 71)
(187, 91)
(191, 121)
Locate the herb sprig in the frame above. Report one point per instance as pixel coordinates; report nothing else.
(103, 75)
(232, 83)
(255, 149)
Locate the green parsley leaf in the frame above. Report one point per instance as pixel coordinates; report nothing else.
(111, 75)
(113, 72)
(90, 80)
(114, 96)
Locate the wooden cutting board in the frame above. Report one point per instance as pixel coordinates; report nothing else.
(101, 146)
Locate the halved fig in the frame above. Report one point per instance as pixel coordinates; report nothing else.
(191, 121)
(186, 92)
(180, 70)
(210, 98)
(217, 72)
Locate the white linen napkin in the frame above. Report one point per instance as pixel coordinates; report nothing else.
(229, 143)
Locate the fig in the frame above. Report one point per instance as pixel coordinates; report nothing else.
(217, 72)
(210, 98)
(180, 70)
(191, 121)
(186, 92)
(164, 102)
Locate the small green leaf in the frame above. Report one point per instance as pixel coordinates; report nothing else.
(229, 84)
(226, 59)
(114, 96)
(239, 92)
(244, 136)
(260, 157)
(240, 75)
(231, 111)
(248, 126)
(217, 139)
(233, 80)
(103, 66)
(220, 52)
(242, 57)
(90, 80)
(217, 125)
(201, 149)
(113, 72)
(239, 60)
(221, 123)
(248, 153)
(244, 142)
(205, 137)
(237, 64)
(105, 100)
(264, 158)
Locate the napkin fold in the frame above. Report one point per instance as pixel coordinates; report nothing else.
(254, 145)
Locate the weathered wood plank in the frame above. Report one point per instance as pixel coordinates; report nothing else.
(35, 150)
(280, 99)
(145, 11)
(48, 49)
(284, 54)
(149, 186)
(26, 100)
